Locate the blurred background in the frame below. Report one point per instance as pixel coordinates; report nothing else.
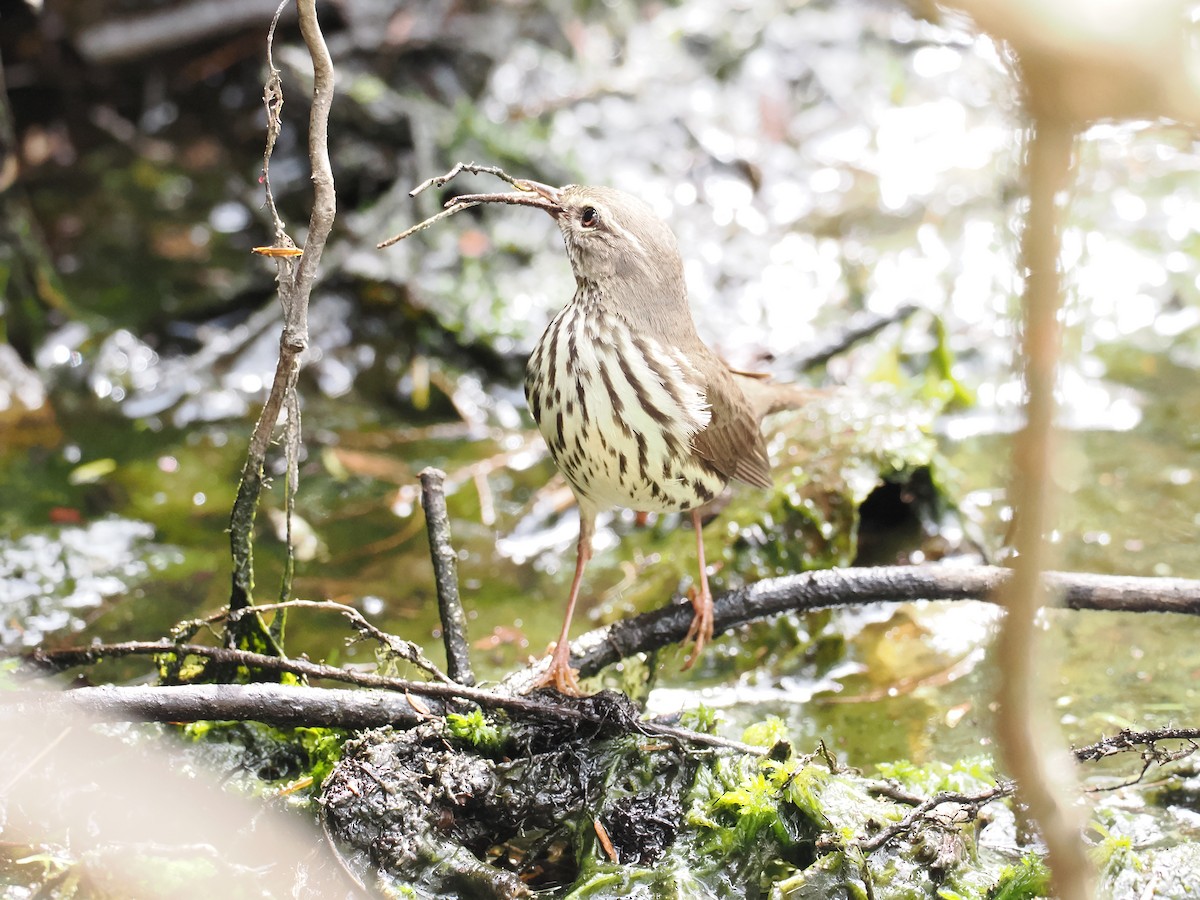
(822, 164)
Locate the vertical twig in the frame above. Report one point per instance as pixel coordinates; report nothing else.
(273, 101)
(445, 572)
(295, 288)
(324, 209)
(290, 487)
(1032, 746)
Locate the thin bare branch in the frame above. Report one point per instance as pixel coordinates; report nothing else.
(856, 332)
(522, 197)
(296, 277)
(272, 704)
(393, 645)
(273, 101)
(964, 807)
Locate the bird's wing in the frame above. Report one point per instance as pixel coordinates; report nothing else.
(732, 442)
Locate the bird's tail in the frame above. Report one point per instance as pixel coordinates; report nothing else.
(766, 396)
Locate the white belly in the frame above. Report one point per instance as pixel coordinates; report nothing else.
(619, 431)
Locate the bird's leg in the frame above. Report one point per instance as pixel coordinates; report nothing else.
(560, 675)
(701, 630)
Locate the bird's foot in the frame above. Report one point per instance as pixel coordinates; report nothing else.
(559, 674)
(701, 630)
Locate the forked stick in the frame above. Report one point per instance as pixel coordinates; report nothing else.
(525, 195)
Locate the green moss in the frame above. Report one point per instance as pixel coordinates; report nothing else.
(1028, 878)
(768, 733)
(476, 730)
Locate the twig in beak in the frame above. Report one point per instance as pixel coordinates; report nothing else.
(421, 226)
(528, 193)
(517, 198)
(474, 169)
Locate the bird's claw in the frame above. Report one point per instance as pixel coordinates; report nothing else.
(701, 629)
(559, 675)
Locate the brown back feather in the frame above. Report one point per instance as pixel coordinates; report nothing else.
(732, 442)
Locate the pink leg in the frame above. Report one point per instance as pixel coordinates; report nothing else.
(560, 675)
(702, 602)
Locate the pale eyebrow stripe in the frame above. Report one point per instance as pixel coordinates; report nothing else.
(629, 236)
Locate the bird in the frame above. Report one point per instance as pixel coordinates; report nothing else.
(636, 410)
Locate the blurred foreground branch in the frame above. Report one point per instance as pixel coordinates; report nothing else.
(1135, 61)
(1030, 740)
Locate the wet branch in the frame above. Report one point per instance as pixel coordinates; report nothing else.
(604, 710)
(445, 573)
(946, 809)
(272, 704)
(665, 626)
(1127, 741)
(889, 584)
(813, 590)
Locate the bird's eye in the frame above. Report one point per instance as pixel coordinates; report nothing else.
(588, 217)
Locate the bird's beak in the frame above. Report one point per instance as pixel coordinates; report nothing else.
(531, 193)
(553, 194)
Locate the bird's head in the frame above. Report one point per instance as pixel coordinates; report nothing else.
(611, 234)
(614, 240)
